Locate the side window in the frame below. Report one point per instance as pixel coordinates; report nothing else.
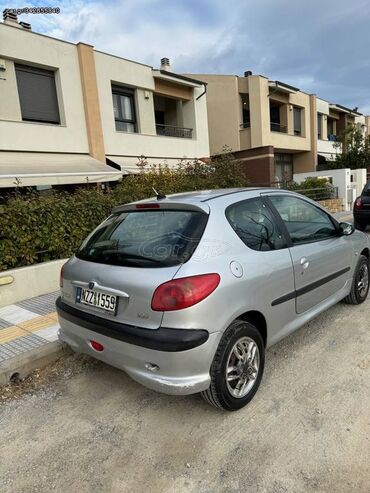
(304, 221)
(124, 109)
(255, 225)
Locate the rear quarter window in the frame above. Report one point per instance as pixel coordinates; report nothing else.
(255, 225)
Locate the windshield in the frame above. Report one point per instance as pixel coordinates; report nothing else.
(160, 238)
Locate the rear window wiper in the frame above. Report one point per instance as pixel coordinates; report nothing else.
(132, 256)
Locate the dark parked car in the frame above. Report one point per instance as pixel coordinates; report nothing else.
(361, 209)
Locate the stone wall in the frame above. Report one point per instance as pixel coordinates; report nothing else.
(332, 205)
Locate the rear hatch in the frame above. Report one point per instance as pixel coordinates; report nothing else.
(118, 267)
(365, 197)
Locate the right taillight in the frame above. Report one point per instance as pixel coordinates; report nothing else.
(184, 292)
(358, 203)
(61, 276)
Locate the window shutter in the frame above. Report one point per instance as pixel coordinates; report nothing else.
(37, 94)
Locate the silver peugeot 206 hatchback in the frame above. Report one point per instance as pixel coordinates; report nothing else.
(186, 292)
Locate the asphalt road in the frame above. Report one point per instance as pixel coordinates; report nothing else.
(83, 426)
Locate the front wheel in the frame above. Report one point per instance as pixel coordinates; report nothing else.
(237, 367)
(360, 283)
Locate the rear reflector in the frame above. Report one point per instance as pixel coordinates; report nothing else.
(147, 206)
(184, 292)
(97, 346)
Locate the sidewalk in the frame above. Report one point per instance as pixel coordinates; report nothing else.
(28, 335)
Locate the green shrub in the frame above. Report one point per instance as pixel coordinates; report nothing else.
(36, 228)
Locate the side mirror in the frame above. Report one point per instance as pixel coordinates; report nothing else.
(346, 229)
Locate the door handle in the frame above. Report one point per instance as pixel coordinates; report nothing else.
(304, 263)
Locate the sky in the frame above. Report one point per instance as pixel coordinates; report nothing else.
(320, 46)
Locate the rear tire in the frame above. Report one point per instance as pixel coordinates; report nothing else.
(237, 367)
(360, 283)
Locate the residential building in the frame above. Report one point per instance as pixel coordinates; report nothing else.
(71, 114)
(329, 124)
(269, 125)
(332, 120)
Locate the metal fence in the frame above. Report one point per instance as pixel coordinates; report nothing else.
(323, 193)
(172, 131)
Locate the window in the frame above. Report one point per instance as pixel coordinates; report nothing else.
(245, 111)
(275, 117)
(254, 224)
(37, 94)
(332, 129)
(148, 238)
(124, 109)
(283, 167)
(319, 125)
(297, 116)
(304, 221)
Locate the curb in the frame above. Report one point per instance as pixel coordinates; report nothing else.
(24, 364)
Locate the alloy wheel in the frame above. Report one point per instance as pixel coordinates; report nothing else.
(363, 280)
(242, 367)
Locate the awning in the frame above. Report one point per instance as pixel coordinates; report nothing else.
(129, 164)
(27, 169)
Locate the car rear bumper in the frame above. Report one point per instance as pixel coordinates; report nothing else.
(362, 216)
(178, 372)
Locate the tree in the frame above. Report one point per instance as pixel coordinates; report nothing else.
(356, 149)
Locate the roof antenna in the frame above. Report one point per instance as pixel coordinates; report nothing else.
(160, 196)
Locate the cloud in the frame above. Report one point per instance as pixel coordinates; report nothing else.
(320, 46)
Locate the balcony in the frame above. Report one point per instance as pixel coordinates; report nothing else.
(173, 131)
(332, 137)
(276, 127)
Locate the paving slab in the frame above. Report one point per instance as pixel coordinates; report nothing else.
(28, 335)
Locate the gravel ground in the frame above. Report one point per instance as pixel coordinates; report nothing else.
(81, 426)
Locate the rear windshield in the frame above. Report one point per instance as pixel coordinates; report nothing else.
(160, 238)
(366, 190)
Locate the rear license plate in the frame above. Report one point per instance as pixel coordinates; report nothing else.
(97, 299)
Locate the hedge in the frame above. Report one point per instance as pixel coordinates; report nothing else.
(37, 228)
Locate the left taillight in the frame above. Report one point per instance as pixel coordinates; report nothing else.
(358, 203)
(61, 278)
(184, 292)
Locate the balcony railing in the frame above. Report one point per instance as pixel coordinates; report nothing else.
(172, 131)
(276, 127)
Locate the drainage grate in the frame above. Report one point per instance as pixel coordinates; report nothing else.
(21, 345)
(42, 305)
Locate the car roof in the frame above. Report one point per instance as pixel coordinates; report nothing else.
(200, 196)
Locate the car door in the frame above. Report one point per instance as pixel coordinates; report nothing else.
(321, 258)
(265, 260)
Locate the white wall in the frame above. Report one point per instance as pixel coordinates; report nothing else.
(20, 45)
(113, 69)
(322, 106)
(349, 182)
(327, 149)
(29, 282)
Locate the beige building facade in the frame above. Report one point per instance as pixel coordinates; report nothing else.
(70, 114)
(266, 124)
